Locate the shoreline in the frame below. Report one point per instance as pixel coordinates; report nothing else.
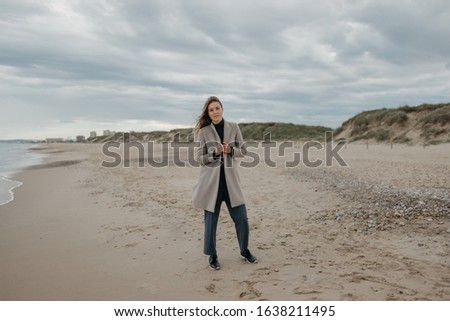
(24, 164)
(8, 190)
(77, 231)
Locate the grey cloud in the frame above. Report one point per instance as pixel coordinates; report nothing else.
(413, 30)
(303, 61)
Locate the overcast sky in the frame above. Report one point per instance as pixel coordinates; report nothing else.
(69, 67)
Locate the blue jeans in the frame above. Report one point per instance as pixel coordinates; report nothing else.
(239, 216)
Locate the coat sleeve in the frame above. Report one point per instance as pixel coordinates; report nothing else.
(239, 148)
(204, 153)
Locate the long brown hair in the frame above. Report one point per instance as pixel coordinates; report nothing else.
(204, 120)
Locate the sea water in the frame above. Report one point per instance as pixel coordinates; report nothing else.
(14, 157)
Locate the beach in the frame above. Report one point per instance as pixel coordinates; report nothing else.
(377, 229)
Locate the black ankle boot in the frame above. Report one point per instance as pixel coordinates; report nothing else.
(214, 262)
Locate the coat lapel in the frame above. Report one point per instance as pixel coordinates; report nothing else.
(227, 133)
(214, 131)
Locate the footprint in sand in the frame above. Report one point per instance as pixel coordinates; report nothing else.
(114, 229)
(250, 292)
(131, 244)
(211, 288)
(132, 229)
(263, 270)
(304, 291)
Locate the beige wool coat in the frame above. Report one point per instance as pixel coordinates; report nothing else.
(205, 191)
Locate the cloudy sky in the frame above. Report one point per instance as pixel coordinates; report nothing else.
(69, 67)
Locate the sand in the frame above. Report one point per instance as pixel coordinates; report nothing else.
(78, 231)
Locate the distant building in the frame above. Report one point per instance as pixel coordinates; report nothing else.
(81, 139)
(54, 140)
(93, 134)
(106, 132)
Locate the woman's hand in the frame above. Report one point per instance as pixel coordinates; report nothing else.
(226, 148)
(222, 148)
(219, 149)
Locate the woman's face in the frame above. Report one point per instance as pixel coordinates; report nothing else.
(215, 112)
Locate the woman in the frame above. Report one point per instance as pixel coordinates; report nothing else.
(220, 143)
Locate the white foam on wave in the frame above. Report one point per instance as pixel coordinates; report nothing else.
(6, 190)
(14, 158)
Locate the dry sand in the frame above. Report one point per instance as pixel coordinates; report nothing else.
(377, 230)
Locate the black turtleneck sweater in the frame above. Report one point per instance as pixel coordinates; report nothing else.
(222, 182)
(219, 129)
